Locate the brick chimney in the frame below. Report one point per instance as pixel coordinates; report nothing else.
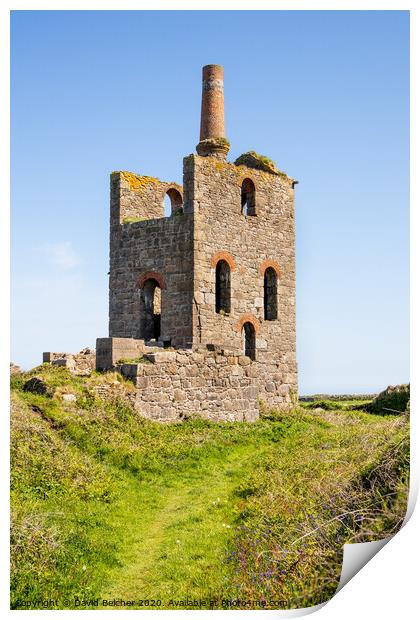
(212, 131)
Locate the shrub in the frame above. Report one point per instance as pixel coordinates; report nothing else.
(393, 400)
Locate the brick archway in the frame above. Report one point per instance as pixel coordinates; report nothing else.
(174, 193)
(151, 275)
(222, 255)
(270, 263)
(248, 318)
(246, 174)
(173, 186)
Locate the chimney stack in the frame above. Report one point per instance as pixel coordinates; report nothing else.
(212, 129)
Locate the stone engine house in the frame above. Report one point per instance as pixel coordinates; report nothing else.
(202, 302)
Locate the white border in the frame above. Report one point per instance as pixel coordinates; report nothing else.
(386, 587)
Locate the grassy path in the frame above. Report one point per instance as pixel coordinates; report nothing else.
(109, 506)
(176, 533)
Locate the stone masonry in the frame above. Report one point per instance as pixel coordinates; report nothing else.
(176, 385)
(78, 363)
(214, 283)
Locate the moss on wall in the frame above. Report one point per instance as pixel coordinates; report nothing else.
(251, 159)
(132, 220)
(220, 142)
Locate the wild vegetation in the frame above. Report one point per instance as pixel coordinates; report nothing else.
(109, 506)
(260, 162)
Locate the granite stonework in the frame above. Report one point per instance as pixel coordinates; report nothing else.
(177, 385)
(152, 247)
(231, 229)
(82, 363)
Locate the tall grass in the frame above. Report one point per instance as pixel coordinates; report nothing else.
(104, 501)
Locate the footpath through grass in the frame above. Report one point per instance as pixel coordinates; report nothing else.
(176, 549)
(107, 506)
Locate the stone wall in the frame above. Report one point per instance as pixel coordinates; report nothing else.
(212, 191)
(15, 369)
(159, 248)
(82, 363)
(137, 197)
(174, 385)
(181, 254)
(109, 351)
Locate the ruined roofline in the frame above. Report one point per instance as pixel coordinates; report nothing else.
(136, 198)
(250, 159)
(137, 182)
(242, 167)
(256, 161)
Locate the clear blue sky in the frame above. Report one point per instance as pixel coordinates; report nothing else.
(325, 94)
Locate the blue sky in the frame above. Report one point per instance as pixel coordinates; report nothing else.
(323, 93)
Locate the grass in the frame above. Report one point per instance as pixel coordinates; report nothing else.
(132, 219)
(330, 404)
(107, 505)
(261, 162)
(134, 360)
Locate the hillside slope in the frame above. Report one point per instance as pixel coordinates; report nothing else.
(107, 505)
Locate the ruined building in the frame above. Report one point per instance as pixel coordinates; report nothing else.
(202, 303)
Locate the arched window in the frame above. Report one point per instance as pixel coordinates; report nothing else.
(150, 310)
(172, 202)
(248, 197)
(270, 294)
(248, 335)
(222, 287)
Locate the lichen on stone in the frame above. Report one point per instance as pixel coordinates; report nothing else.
(219, 164)
(260, 162)
(133, 219)
(138, 182)
(217, 142)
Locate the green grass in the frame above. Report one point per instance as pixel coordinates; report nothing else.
(133, 219)
(108, 505)
(134, 360)
(328, 404)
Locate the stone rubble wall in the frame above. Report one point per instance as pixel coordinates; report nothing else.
(82, 363)
(138, 197)
(113, 391)
(110, 350)
(15, 369)
(174, 385)
(212, 191)
(160, 244)
(180, 252)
